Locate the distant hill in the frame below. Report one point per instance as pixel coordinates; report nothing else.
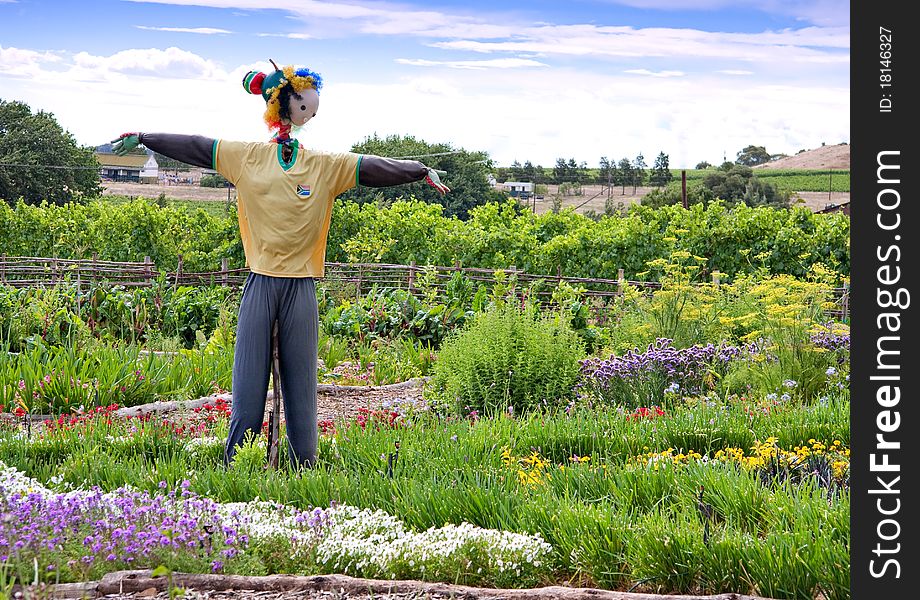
(825, 157)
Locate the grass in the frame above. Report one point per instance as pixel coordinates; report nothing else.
(61, 379)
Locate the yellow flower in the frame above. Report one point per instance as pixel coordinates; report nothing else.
(840, 468)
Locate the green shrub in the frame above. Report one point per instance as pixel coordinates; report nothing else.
(214, 181)
(668, 196)
(508, 357)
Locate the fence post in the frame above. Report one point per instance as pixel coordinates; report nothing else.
(178, 272)
(683, 188)
(223, 272)
(360, 277)
(411, 276)
(93, 265)
(716, 277)
(3, 269)
(147, 270)
(79, 288)
(846, 301)
(621, 281)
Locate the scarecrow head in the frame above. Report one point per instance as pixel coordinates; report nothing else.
(291, 95)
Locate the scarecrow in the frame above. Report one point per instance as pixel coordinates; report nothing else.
(285, 194)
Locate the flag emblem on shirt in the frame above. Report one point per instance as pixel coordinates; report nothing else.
(303, 190)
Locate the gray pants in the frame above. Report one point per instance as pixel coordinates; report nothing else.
(293, 302)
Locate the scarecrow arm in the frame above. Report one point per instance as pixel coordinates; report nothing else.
(191, 149)
(377, 171)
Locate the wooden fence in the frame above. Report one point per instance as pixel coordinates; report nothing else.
(356, 278)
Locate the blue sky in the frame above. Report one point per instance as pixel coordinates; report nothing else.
(695, 79)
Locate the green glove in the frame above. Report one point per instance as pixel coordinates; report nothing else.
(125, 143)
(434, 181)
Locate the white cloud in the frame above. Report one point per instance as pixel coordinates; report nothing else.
(20, 62)
(291, 36)
(402, 18)
(201, 30)
(528, 95)
(309, 8)
(655, 73)
(513, 114)
(498, 63)
(814, 45)
(339, 19)
(171, 63)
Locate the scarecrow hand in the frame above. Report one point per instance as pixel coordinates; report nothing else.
(434, 180)
(125, 143)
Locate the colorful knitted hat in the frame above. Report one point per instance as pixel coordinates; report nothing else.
(270, 86)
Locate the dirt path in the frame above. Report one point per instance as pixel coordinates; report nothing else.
(179, 192)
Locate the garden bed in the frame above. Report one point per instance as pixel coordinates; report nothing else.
(697, 445)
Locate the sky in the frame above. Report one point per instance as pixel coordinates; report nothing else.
(698, 80)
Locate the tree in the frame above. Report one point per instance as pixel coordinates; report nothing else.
(516, 172)
(603, 172)
(467, 174)
(560, 171)
(581, 173)
(539, 174)
(43, 161)
(753, 155)
(703, 165)
(623, 174)
(528, 172)
(214, 181)
(165, 163)
(661, 173)
(639, 167)
(739, 184)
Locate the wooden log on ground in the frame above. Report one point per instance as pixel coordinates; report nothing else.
(137, 581)
(170, 405)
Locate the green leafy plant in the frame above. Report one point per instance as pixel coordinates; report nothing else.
(508, 357)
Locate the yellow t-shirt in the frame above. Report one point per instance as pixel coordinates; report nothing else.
(285, 207)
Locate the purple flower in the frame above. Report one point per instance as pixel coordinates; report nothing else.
(123, 526)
